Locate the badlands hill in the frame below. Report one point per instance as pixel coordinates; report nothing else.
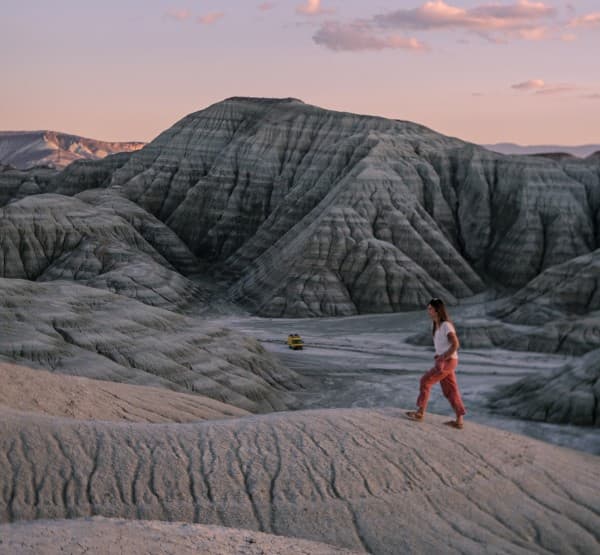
(26, 149)
(29, 390)
(308, 212)
(292, 210)
(134, 404)
(581, 151)
(367, 480)
(100, 535)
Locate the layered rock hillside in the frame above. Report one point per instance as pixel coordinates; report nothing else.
(292, 210)
(569, 396)
(102, 241)
(26, 149)
(581, 151)
(16, 184)
(313, 212)
(368, 480)
(84, 331)
(309, 212)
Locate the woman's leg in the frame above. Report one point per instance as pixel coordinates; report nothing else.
(452, 393)
(430, 378)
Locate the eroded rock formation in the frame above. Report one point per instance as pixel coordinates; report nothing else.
(105, 535)
(108, 243)
(84, 331)
(49, 393)
(318, 212)
(569, 396)
(571, 288)
(26, 149)
(311, 212)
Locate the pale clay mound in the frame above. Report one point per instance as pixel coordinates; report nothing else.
(82, 331)
(101, 536)
(359, 479)
(29, 390)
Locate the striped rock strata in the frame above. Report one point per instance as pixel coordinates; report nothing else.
(316, 212)
(569, 396)
(108, 243)
(26, 149)
(84, 331)
(572, 288)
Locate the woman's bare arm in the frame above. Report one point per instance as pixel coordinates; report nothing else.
(454, 345)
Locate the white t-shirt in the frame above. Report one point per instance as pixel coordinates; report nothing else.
(440, 339)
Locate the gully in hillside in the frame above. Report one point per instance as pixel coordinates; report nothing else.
(446, 358)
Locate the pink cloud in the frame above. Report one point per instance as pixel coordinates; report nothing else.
(557, 89)
(532, 84)
(210, 18)
(568, 37)
(266, 6)
(539, 86)
(178, 14)
(523, 9)
(534, 33)
(518, 20)
(589, 21)
(359, 35)
(593, 96)
(313, 7)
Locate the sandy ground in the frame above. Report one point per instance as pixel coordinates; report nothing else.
(364, 479)
(39, 391)
(103, 536)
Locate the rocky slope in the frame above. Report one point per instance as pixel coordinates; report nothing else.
(581, 151)
(570, 396)
(52, 394)
(316, 212)
(361, 479)
(310, 212)
(16, 184)
(298, 211)
(101, 241)
(107, 535)
(26, 149)
(84, 331)
(566, 290)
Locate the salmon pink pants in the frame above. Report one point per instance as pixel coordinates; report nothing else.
(442, 372)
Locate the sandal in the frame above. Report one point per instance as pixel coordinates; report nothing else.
(454, 424)
(415, 415)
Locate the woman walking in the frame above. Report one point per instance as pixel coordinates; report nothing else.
(446, 358)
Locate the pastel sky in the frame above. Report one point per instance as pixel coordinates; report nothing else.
(486, 71)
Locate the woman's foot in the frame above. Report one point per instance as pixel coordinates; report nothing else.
(415, 415)
(458, 423)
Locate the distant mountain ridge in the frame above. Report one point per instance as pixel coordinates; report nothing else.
(27, 149)
(581, 151)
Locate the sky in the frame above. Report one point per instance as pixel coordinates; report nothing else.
(523, 71)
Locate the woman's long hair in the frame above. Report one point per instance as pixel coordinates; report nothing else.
(440, 308)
